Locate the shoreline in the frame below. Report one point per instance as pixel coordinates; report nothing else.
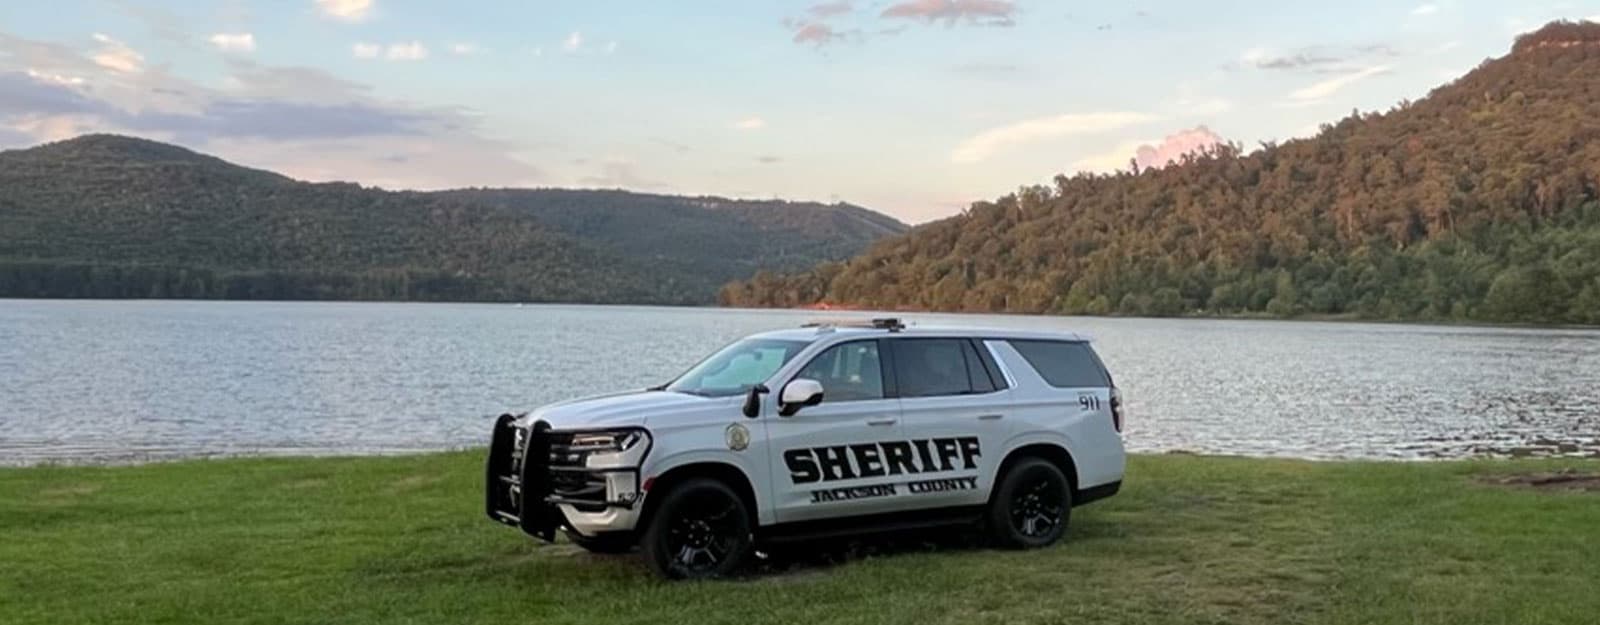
(1347, 318)
(130, 460)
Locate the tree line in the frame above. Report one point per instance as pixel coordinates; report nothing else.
(1479, 202)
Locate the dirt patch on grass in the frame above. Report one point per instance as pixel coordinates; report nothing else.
(1563, 480)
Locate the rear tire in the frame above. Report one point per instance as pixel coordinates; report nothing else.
(701, 530)
(1031, 505)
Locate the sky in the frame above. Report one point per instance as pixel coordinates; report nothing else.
(916, 108)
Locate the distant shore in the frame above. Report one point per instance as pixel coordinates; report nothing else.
(843, 310)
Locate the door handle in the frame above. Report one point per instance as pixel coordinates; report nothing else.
(881, 421)
(989, 417)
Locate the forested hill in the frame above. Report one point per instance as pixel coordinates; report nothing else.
(709, 240)
(110, 216)
(1477, 202)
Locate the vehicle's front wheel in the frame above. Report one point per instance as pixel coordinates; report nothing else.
(1031, 506)
(700, 530)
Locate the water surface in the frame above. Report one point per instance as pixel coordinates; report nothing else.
(113, 381)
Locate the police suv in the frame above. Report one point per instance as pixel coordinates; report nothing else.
(824, 430)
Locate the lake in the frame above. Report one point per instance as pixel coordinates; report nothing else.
(119, 381)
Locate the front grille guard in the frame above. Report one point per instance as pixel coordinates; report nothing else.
(517, 481)
(519, 487)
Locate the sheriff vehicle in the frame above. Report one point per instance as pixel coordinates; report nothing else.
(824, 430)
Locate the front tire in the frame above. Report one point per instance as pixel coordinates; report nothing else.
(701, 530)
(1031, 506)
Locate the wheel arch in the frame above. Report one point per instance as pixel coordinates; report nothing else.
(727, 473)
(1053, 452)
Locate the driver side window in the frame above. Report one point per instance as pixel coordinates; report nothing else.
(848, 372)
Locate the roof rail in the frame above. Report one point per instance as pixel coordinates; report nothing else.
(892, 324)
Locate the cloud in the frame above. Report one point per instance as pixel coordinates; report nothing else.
(465, 48)
(1115, 159)
(345, 10)
(301, 121)
(750, 123)
(573, 42)
(1425, 9)
(34, 93)
(219, 117)
(816, 33)
(986, 12)
(117, 56)
(413, 51)
(987, 143)
(410, 51)
(1262, 58)
(1173, 148)
(58, 79)
(829, 9)
(303, 84)
(1321, 90)
(11, 138)
(233, 42)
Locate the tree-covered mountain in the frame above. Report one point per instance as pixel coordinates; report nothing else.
(1480, 201)
(111, 216)
(707, 240)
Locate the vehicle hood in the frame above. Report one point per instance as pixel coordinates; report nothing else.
(621, 409)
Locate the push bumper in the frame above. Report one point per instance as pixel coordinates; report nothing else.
(535, 482)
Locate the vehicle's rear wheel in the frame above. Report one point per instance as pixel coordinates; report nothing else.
(701, 530)
(1031, 506)
(604, 543)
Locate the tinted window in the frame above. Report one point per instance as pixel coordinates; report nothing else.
(930, 367)
(1063, 364)
(979, 377)
(848, 372)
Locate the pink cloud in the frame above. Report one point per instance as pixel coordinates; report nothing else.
(1175, 146)
(829, 9)
(995, 12)
(815, 33)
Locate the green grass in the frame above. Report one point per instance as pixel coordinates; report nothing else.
(404, 540)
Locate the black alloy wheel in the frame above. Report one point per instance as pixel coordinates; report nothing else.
(701, 530)
(1031, 506)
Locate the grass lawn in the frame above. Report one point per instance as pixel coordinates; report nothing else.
(1189, 540)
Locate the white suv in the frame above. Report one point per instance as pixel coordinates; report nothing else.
(822, 430)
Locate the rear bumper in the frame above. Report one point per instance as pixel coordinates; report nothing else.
(522, 488)
(1096, 493)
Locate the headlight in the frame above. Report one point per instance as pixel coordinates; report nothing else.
(604, 442)
(611, 448)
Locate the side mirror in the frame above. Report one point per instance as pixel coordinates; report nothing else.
(752, 401)
(797, 394)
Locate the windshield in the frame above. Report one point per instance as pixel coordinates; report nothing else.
(737, 367)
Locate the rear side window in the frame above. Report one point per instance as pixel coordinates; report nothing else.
(1063, 364)
(935, 367)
